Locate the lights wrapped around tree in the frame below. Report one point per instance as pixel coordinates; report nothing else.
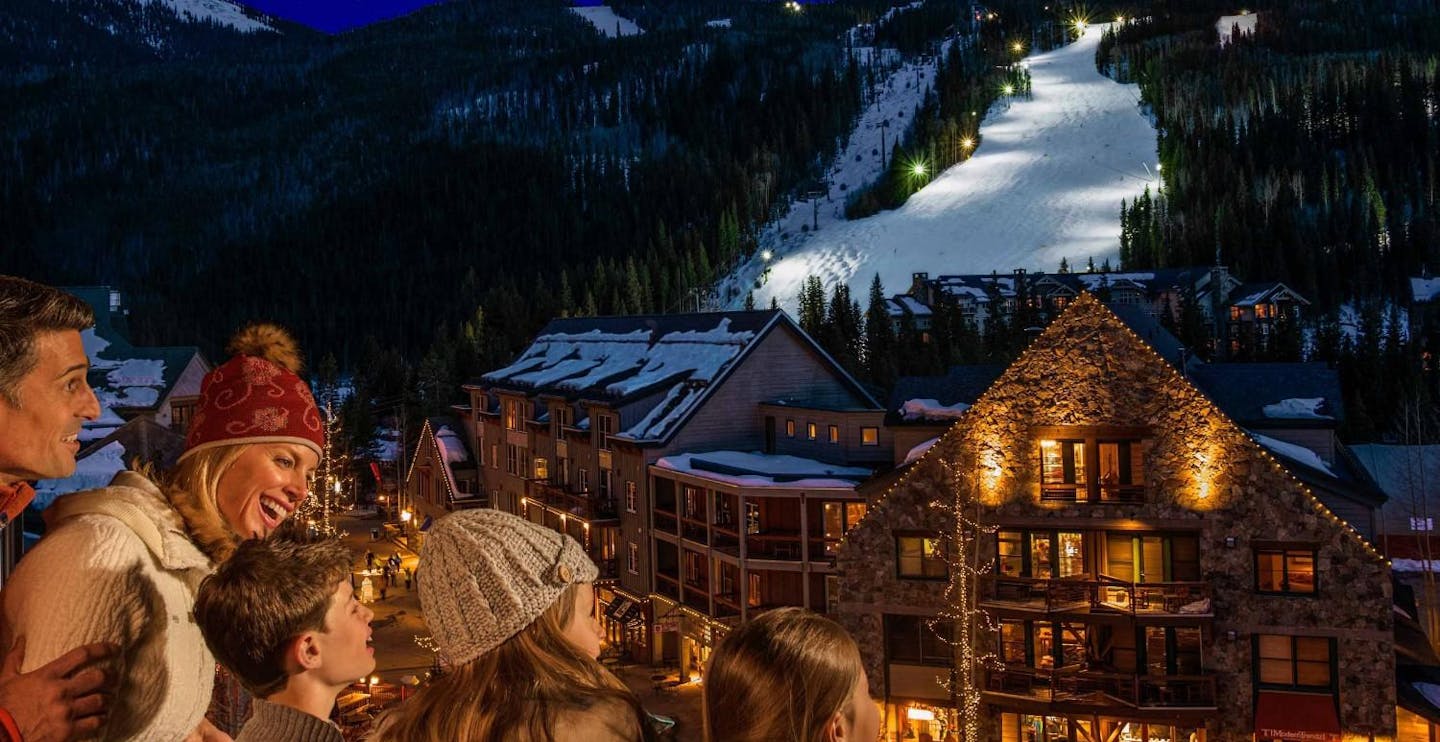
(326, 495)
(969, 624)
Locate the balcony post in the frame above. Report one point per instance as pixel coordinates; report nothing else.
(804, 553)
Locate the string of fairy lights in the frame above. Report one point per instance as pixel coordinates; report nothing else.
(968, 622)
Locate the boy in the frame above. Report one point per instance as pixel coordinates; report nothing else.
(281, 615)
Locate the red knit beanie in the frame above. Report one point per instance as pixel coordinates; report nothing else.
(256, 396)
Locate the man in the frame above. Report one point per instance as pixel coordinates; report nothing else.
(44, 399)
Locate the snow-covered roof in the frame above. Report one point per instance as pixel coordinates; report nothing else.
(915, 453)
(623, 358)
(931, 409)
(753, 469)
(1297, 409)
(718, 23)
(1424, 289)
(1297, 453)
(911, 305)
(95, 470)
(452, 446)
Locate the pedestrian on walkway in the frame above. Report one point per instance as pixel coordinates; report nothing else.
(369, 560)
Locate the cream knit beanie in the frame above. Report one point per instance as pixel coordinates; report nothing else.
(485, 575)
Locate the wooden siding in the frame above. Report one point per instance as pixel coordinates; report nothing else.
(781, 366)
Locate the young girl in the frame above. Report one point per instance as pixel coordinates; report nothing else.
(789, 676)
(511, 607)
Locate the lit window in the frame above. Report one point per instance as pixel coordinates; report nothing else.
(1293, 661)
(1062, 469)
(1422, 524)
(869, 436)
(920, 557)
(789, 428)
(834, 433)
(542, 468)
(1285, 570)
(839, 518)
(812, 431)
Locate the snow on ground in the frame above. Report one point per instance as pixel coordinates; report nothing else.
(1227, 24)
(1296, 409)
(1045, 183)
(216, 11)
(603, 18)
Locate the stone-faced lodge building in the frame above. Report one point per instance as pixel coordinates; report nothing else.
(1149, 571)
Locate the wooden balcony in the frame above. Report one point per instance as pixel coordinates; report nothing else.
(667, 585)
(1104, 493)
(1078, 687)
(589, 507)
(1102, 594)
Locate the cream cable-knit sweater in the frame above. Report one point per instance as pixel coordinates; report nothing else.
(112, 577)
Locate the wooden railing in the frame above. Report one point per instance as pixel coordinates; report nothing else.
(1102, 593)
(588, 506)
(1077, 685)
(1106, 493)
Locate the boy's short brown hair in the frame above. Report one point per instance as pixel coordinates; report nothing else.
(266, 594)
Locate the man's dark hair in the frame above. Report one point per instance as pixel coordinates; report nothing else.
(28, 309)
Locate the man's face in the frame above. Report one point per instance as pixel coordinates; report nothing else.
(39, 439)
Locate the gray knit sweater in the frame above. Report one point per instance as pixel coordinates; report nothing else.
(272, 722)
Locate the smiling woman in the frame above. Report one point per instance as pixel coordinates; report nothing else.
(122, 564)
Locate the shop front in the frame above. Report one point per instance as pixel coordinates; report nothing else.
(1042, 728)
(1296, 717)
(919, 721)
(622, 622)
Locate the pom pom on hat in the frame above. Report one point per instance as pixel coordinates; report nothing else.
(257, 396)
(269, 341)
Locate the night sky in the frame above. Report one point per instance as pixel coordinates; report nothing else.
(334, 16)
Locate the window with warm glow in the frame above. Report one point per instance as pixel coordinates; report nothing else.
(1062, 467)
(1092, 466)
(921, 557)
(513, 414)
(869, 436)
(840, 517)
(918, 640)
(789, 428)
(1293, 661)
(1279, 570)
(812, 431)
(1012, 643)
(834, 433)
(542, 468)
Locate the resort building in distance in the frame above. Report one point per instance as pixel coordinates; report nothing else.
(1145, 569)
(1159, 549)
(707, 462)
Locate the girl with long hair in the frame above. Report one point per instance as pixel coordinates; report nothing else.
(789, 676)
(511, 607)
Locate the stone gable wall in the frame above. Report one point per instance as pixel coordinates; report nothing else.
(1201, 471)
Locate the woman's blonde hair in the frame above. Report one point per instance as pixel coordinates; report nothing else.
(517, 690)
(781, 678)
(193, 489)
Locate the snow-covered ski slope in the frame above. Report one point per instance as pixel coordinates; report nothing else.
(1045, 183)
